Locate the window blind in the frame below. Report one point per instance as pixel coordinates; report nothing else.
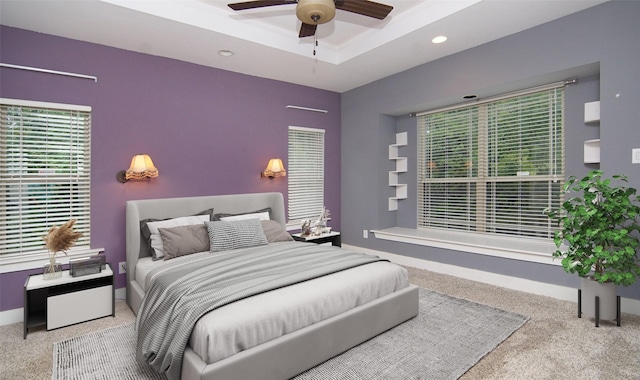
(305, 173)
(45, 161)
(493, 167)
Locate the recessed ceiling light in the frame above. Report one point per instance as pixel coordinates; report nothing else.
(439, 39)
(225, 53)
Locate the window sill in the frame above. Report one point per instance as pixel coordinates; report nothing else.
(524, 249)
(17, 263)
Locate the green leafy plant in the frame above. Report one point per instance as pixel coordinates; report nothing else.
(600, 229)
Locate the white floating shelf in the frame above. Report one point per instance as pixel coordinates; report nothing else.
(401, 164)
(393, 178)
(401, 167)
(592, 112)
(592, 151)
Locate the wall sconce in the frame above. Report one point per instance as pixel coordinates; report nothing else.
(275, 168)
(141, 167)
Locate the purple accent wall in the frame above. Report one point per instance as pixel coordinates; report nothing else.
(208, 131)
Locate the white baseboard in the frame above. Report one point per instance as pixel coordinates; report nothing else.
(627, 305)
(9, 317)
(121, 293)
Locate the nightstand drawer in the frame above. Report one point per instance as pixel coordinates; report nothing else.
(70, 308)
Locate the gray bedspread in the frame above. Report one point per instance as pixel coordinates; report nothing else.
(178, 297)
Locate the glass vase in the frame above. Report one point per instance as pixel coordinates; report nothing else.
(52, 270)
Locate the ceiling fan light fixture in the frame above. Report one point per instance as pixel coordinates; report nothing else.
(315, 12)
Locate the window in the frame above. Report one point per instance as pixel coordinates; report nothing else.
(305, 173)
(493, 167)
(45, 166)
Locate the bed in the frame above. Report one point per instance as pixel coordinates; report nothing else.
(293, 349)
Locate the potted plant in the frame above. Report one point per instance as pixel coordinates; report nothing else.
(598, 237)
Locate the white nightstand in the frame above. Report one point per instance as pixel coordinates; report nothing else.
(68, 300)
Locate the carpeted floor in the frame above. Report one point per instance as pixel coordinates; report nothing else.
(448, 336)
(553, 344)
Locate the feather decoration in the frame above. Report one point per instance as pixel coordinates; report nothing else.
(61, 238)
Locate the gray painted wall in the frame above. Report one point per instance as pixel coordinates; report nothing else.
(598, 46)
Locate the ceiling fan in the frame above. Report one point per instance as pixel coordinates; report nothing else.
(315, 12)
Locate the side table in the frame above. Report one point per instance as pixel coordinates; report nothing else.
(332, 237)
(68, 300)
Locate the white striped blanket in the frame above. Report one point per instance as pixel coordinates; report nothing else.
(177, 298)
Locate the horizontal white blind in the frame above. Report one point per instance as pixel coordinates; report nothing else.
(45, 162)
(449, 142)
(305, 173)
(525, 162)
(493, 167)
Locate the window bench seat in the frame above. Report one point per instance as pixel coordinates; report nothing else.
(518, 248)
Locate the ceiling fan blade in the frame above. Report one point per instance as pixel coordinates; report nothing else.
(307, 30)
(365, 8)
(259, 4)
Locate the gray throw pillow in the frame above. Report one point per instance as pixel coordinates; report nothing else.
(235, 234)
(146, 232)
(184, 240)
(275, 231)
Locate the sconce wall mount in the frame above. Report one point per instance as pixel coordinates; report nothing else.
(141, 167)
(275, 168)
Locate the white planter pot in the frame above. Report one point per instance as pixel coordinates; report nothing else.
(607, 294)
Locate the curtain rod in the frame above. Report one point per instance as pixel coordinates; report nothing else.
(498, 97)
(10, 66)
(306, 108)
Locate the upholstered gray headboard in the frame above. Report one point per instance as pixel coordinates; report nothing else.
(175, 207)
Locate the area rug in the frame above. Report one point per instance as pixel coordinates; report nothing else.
(449, 336)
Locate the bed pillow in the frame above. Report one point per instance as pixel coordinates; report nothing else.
(235, 234)
(184, 240)
(264, 214)
(149, 229)
(275, 231)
